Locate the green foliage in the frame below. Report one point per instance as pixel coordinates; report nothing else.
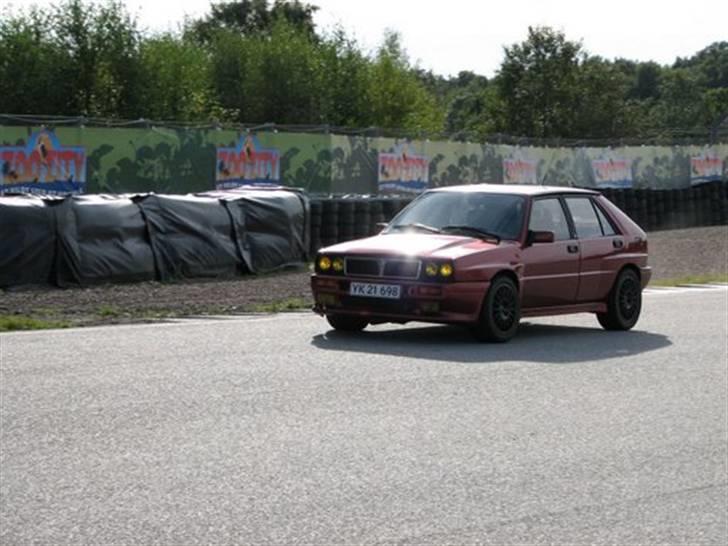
(254, 17)
(262, 61)
(102, 45)
(11, 323)
(396, 96)
(31, 66)
(538, 82)
(176, 81)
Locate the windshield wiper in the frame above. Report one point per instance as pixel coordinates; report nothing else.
(482, 234)
(416, 225)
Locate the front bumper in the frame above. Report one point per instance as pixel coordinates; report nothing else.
(645, 275)
(445, 302)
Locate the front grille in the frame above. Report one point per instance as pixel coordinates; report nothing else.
(402, 269)
(363, 266)
(382, 267)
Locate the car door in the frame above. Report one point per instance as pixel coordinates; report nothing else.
(599, 241)
(550, 270)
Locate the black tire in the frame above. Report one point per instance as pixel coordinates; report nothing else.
(624, 303)
(347, 323)
(501, 312)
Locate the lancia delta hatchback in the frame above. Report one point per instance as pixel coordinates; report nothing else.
(484, 256)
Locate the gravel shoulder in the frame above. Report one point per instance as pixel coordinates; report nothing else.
(673, 254)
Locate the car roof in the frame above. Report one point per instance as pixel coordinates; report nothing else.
(516, 189)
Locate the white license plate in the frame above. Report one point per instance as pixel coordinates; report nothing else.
(371, 290)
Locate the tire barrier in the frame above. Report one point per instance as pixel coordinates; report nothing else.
(350, 217)
(316, 243)
(92, 239)
(654, 210)
(362, 218)
(329, 222)
(353, 217)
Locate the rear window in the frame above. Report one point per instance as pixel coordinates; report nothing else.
(607, 226)
(585, 218)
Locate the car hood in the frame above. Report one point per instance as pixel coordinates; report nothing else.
(424, 245)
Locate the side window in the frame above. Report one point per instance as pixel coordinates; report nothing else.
(585, 217)
(607, 227)
(548, 215)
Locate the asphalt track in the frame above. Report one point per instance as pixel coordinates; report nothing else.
(275, 430)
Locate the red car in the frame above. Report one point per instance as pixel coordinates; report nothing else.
(485, 256)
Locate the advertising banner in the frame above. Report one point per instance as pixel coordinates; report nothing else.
(613, 172)
(706, 167)
(520, 170)
(403, 171)
(43, 166)
(247, 164)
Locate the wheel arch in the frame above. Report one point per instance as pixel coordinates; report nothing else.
(509, 273)
(631, 267)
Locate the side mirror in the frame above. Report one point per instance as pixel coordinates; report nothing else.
(539, 237)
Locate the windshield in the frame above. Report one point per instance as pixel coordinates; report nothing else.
(491, 213)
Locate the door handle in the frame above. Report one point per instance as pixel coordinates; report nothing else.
(617, 243)
(573, 249)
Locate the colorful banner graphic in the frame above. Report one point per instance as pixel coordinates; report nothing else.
(707, 167)
(402, 171)
(612, 172)
(43, 166)
(519, 171)
(178, 161)
(247, 164)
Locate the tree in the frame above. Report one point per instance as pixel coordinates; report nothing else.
(680, 106)
(537, 82)
(345, 79)
(102, 41)
(176, 82)
(31, 67)
(710, 64)
(396, 96)
(598, 109)
(249, 17)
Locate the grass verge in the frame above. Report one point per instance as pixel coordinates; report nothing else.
(281, 306)
(691, 279)
(11, 323)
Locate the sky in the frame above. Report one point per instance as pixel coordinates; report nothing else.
(453, 35)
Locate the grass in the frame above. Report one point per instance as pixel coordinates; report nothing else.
(691, 279)
(109, 311)
(281, 306)
(11, 323)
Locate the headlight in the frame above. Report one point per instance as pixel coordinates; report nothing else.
(431, 270)
(324, 263)
(338, 264)
(446, 270)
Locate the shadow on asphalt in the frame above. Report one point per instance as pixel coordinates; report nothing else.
(533, 343)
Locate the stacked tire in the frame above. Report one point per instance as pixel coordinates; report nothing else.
(346, 219)
(315, 208)
(377, 217)
(362, 218)
(329, 222)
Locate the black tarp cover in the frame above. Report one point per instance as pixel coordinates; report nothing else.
(90, 239)
(104, 238)
(191, 236)
(276, 228)
(27, 241)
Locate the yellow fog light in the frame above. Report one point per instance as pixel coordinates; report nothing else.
(446, 270)
(431, 270)
(324, 263)
(338, 264)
